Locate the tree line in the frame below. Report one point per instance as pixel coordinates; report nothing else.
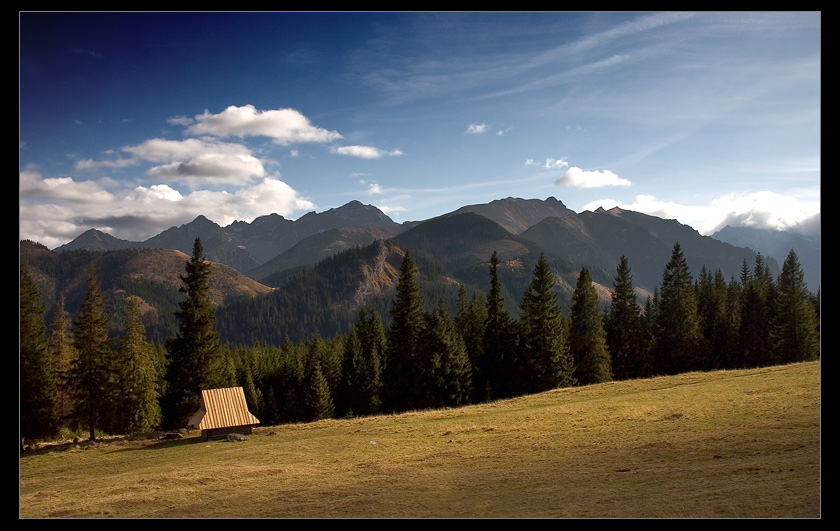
(74, 376)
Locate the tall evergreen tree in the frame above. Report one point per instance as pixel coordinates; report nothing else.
(678, 335)
(138, 380)
(623, 327)
(587, 339)
(402, 389)
(38, 388)
(795, 323)
(444, 358)
(93, 371)
(756, 316)
(712, 308)
(61, 344)
(470, 323)
(543, 351)
(361, 390)
(193, 349)
(500, 341)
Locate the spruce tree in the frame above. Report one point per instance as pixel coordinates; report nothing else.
(678, 335)
(61, 344)
(545, 359)
(500, 342)
(756, 316)
(470, 322)
(364, 346)
(193, 349)
(444, 358)
(795, 324)
(139, 408)
(624, 328)
(587, 339)
(319, 402)
(38, 387)
(93, 371)
(402, 390)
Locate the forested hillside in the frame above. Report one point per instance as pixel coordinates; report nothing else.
(398, 337)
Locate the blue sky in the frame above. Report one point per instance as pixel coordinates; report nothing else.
(134, 123)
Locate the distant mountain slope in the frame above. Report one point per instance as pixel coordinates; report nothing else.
(601, 237)
(516, 215)
(328, 271)
(778, 244)
(316, 247)
(241, 245)
(153, 275)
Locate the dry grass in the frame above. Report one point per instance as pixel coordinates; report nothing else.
(727, 444)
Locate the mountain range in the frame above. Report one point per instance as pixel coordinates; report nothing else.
(263, 258)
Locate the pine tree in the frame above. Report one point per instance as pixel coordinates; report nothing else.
(319, 403)
(795, 323)
(38, 388)
(543, 350)
(587, 339)
(139, 408)
(712, 308)
(470, 323)
(192, 351)
(364, 347)
(444, 359)
(401, 389)
(756, 316)
(624, 328)
(93, 369)
(61, 344)
(678, 335)
(500, 342)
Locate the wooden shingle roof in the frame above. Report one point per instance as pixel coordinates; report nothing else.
(222, 408)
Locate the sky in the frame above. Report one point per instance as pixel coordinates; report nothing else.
(132, 123)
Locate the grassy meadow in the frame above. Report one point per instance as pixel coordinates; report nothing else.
(725, 444)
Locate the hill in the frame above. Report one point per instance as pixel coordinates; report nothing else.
(452, 250)
(723, 444)
(778, 244)
(152, 275)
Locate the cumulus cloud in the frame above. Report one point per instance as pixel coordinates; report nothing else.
(476, 129)
(578, 178)
(762, 210)
(284, 126)
(374, 188)
(189, 161)
(53, 211)
(550, 163)
(365, 152)
(766, 209)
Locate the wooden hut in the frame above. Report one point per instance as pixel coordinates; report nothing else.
(222, 412)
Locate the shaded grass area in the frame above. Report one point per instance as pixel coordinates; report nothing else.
(730, 444)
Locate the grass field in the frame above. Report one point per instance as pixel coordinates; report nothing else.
(727, 444)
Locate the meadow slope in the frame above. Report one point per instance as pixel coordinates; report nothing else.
(725, 444)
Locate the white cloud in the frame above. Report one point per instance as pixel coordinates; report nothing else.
(374, 188)
(365, 152)
(141, 212)
(285, 126)
(579, 178)
(549, 163)
(189, 161)
(476, 129)
(763, 210)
